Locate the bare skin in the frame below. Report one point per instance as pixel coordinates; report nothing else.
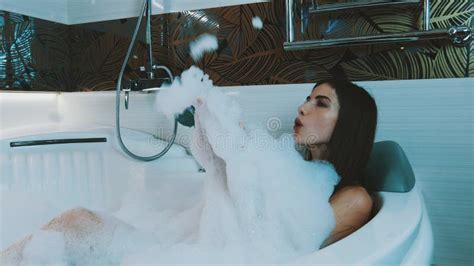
(77, 223)
(352, 206)
(315, 123)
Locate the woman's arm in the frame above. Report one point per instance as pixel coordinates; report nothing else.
(352, 206)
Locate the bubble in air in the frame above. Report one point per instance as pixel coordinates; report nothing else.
(204, 43)
(257, 23)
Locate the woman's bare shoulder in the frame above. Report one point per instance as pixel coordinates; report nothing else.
(352, 206)
(356, 196)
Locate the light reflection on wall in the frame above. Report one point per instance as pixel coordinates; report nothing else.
(16, 34)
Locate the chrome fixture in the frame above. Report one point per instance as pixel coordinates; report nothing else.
(141, 84)
(151, 83)
(426, 14)
(459, 35)
(290, 30)
(317, 8)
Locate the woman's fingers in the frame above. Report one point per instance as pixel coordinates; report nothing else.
(199, 100)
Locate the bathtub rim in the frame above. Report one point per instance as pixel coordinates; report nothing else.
(387, 238)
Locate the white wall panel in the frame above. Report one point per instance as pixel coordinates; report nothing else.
(18, 109)
(85, 11)
(433, 122)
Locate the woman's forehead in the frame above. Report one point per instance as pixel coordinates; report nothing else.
(325, 90)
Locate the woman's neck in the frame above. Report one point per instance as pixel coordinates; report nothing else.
(318, 151)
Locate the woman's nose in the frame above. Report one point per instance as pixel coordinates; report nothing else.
(302, 110)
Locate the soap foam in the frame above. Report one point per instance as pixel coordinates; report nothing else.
(204, 43)
(257, 23)
(45, 248)
(262, 201)
(259, 202)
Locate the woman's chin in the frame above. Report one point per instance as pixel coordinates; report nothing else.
(297, 138)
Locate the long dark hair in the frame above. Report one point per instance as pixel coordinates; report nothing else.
(353, 136)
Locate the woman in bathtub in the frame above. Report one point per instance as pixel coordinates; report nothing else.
(336, 123)
(343, 117)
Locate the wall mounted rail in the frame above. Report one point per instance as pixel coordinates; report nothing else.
(459, 35)
(23, 143)
(317, 8)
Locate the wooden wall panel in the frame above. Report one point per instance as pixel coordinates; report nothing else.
(40, 55)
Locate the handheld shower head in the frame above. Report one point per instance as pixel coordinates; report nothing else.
(186, 118)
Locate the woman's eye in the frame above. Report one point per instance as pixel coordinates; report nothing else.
(321, 103)
(308, 99)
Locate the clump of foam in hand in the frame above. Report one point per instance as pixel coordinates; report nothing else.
(257, 23)
(204, 43)
(185, 91)
(182, 93)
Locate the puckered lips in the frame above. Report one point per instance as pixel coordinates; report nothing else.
(298, 124)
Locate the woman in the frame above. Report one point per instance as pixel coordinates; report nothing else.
(338, 116)
(337, 123)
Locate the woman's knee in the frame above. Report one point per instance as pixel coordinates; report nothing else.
(77, 219)
(76, 223)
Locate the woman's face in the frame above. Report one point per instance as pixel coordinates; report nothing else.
(317, 116)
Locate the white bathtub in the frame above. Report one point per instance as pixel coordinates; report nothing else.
(96, 175)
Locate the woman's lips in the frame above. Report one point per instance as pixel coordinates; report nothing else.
(298, 124)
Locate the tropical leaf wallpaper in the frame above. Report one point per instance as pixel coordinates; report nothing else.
(45, 56)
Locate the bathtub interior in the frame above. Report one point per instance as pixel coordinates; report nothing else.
(38, 182)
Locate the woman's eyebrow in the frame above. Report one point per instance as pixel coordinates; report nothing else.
(322, 96)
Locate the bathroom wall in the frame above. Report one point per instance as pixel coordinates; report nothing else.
(250, 56)
(40, 55)
(47, 56)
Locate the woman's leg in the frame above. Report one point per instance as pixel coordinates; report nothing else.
(14, 253)
(77, 222)
(80, 227)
